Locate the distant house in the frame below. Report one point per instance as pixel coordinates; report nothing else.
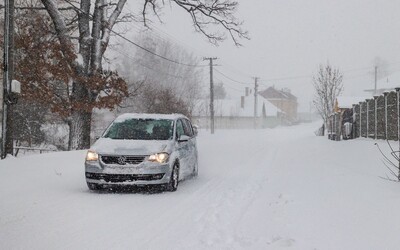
(283, 100)
(238, 113)
(346, 102)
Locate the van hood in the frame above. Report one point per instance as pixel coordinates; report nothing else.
(107, 146)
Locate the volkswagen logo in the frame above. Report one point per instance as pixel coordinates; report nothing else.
(121, 160)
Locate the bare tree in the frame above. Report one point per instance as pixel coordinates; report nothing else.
(328, 86)
(219, 91)
(85, 56)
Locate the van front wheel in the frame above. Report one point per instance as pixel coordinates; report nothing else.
(93, 186)
(174, 181)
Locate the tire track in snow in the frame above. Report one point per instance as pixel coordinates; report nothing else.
(180, 213)
(218, 225)
(216, 205)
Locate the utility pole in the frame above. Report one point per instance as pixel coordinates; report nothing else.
(211, 92)
(7, 140)
(255, 101)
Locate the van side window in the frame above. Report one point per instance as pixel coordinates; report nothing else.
(187, 127)
(179, 129)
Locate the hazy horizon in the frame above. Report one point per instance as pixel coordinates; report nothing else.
(289, 39)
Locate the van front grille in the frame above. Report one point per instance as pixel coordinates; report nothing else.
(122, 159)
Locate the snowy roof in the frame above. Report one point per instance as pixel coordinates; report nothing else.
(126, 116)
(232, 107)
(348, 101)
(274, 94)
(248, 111)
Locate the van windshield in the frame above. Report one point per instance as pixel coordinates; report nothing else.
(141, 129)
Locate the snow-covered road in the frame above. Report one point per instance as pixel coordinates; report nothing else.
(257, 189)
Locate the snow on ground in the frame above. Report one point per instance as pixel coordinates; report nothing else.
(257, 189)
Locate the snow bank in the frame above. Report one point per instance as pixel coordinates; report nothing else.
(257, 189)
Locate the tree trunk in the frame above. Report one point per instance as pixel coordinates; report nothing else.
(91, 48)
(79, 130)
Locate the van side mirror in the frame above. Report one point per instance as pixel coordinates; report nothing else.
(183, 138)
(195, 130)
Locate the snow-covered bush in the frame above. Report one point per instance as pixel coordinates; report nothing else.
(56, 135)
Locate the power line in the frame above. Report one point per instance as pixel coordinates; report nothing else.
(363, 75)
(228, 86)
(174, 39)
(148, 67)
(153, 53)
(309, 76)
(155, 32)
(285, 78)
(227, 77)
(356, 69)
(156, 36)
(236, 70)
(367, 68)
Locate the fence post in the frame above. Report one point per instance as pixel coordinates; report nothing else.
(376, 117)
(338, 131)
(337, 126)
(398, 126)
(386, 115)
(367, 117)
(398, 116)
(353, 128)
(360, 119)
(334, 127)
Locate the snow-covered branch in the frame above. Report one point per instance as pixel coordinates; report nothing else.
(205, 14)
(109, 24)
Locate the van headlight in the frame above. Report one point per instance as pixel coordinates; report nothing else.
(92, 156)
(160, 157)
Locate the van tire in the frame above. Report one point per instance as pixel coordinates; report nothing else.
(93, 186)
(174, 180)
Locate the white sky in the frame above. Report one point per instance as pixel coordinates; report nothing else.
(292, 37)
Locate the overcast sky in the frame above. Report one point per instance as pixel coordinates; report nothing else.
(290, 38)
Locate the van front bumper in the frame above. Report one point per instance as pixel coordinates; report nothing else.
(143, 174)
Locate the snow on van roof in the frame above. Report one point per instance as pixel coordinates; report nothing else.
(127, 116)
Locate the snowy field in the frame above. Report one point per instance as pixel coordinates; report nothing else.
(264, 189)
